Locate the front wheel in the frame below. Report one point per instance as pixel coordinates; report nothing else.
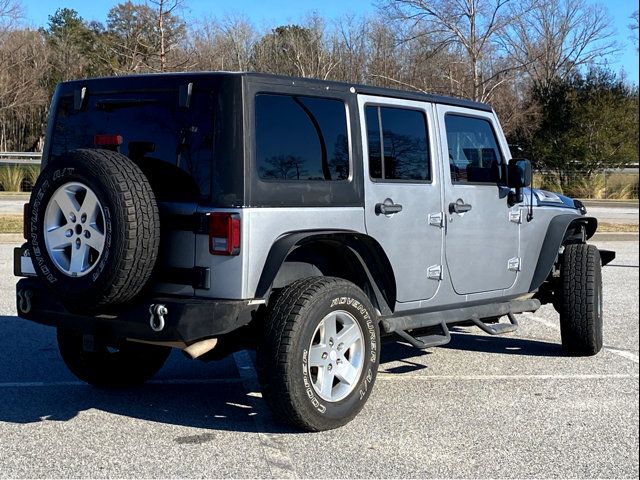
(319, 355)
(110, 364)
(580, 304)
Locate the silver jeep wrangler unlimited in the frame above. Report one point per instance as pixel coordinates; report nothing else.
(213, 212)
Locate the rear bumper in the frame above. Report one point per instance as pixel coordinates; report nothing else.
(187, 320)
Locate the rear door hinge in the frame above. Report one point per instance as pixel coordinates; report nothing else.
(514, 264)
(434, 272)
(515, 216)
(436, 219)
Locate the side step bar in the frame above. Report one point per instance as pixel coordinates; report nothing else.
(497, 328)
(426, 341)
(400, 325)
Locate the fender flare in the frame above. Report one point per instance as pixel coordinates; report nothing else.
(554, 239)
(360, 245)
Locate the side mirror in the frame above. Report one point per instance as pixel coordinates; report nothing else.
(519, 176)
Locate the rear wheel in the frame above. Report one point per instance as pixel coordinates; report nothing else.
(108, 363)
(319, 354)
(581, 312)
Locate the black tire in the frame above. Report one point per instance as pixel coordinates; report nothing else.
(581, 300)
(110, 364)
(131, 228)
(292, 319)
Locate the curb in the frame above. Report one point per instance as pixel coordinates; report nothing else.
(15, 195)
(11, 238)
(616, 237)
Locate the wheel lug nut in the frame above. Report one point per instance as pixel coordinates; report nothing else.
(77, 243)
(68, 233)
(83, 218)
(72, 217)
(340, 346)
(338, 361)
(329, 367)
(87, 234)
(324, 356)
(331, 342)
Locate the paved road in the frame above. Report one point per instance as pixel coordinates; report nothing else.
(614, 214)
(509, 407)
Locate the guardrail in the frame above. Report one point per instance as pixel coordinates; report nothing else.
(20, 158)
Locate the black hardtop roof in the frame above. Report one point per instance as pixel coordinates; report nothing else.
(310, 83)
(367, 90)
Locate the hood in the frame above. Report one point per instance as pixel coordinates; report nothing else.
(544, 198)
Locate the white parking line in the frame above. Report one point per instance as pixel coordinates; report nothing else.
(623, 353)
(556, 326)
(277, 456)
(251, 386)
(168, 381)
(604, 376)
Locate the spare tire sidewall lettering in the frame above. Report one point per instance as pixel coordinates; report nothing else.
(38, 205)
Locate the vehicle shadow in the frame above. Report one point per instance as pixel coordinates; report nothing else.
(35, 385)
(461, 340)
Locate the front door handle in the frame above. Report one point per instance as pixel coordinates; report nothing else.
(459, 207)
(388, 207)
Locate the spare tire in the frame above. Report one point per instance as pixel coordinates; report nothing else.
(93, 228)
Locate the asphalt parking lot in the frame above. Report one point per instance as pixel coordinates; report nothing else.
(482, 406)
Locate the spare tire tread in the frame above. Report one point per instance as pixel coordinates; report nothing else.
(143, 240)
(130, 201)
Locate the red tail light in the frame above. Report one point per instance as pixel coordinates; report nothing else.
(224, 233)
(107, 140)
(25, 221)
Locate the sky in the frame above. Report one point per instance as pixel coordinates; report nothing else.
(271, 13)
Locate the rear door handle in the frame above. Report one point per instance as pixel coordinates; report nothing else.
(459, 207)
(388, 207)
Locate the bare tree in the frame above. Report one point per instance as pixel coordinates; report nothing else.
(164, 9)
(470, 28)
(633, 26)
(225, 44)
(554, 38)
(296, 50)
(24, 62)
(139, 38)
(349, 45)
(10, 14)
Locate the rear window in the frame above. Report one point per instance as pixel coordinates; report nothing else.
(173, 145)
(301, 138)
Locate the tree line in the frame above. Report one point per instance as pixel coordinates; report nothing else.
(541, 64)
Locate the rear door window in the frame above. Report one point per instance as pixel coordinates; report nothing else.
(398, 144)
(173, 145)
(301, 138)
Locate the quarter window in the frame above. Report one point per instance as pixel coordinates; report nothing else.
(474, 155)
(398, 144)
(301, 138)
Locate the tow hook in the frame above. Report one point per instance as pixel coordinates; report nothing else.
(24, 300)
(157, 311)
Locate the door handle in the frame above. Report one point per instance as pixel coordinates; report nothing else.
(459, 207)
(388, 207)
